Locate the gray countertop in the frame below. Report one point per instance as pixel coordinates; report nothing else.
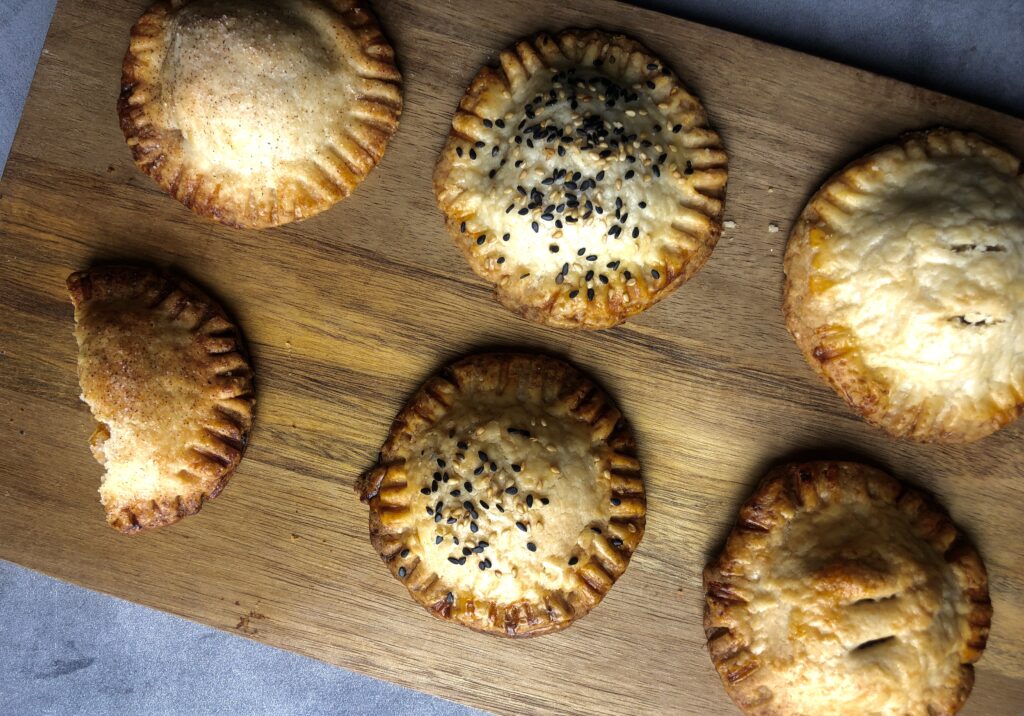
(64, 649)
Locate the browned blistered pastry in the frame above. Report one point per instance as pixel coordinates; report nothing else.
(905, 286)
(843, 591)
(581, 179)
(258, 113)
(508, 497)
(165, 374)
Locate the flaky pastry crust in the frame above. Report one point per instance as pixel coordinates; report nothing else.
(581, 179)
(508, 497)
(843, 591)
(166, 375)
(905, 286)
(258, 114)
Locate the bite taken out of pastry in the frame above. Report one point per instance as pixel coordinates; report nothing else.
(167, 378)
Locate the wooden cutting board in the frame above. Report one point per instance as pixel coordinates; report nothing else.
(347, 313)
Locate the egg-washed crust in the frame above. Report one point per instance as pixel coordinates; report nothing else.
(564, 390)
(496, 92)
(788, 491)
(829, 348)
(353, 150)
(227, 431)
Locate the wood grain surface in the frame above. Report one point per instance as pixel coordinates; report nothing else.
(347, 313)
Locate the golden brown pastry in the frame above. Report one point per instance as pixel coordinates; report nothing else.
(165, 374)
(842, 591)
(255, 113)
(905, 286)
(508, 497)
(581, 179)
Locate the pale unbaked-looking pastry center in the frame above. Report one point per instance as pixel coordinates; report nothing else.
(855, 613)
(584, 194)
(510, 497)
(148, 385)
(253, 87)
(929, 277)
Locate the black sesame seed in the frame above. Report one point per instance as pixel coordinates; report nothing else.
(481, 565)
(455, 493)
(531, 546)
(453, 560)
(467, 551)
(462, 445)
(500, 508)
(401, 572)
(477, 471)
(472, 154)
(521, 526)
(488, 123)
(590, 294)
(450, 598)
(404, 553)
(473, 527)
(603, 278)
(616, 501)
(478, 549)
(462, 227)
(449, 521)
(485, 505)
(654, 272)
(689, 168)
(514, 490)
(462, 560)
(455, 540)
(493, 466)
(458, 151)
(430, 510)
(544, 500)
(553, 248)
(616, 542)
(629, 175)
(501, 259)
(480, 239)
(438, 540)
(627, 275)
(636, 231)
(677, 129)
(425, 490)
(596, 530)
(581, 251)
(573, 294)
(573, 560)
(536, 227)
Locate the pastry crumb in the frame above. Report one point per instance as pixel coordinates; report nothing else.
(773, 228)
(729, 224)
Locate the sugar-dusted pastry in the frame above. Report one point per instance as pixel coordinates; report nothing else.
(581, 179)
(905, 286)
(843, 591)
(165, 374)
(256, 113)
(508, 497)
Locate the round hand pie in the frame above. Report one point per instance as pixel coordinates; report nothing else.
(508, 497)
(581, 179)
(905, 286)
(842, 591)
(165, 374)
(258, 113)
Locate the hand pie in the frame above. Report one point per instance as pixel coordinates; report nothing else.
(581, 179)
(842, 591)
(256, 114)
(905, 286)
(166, 377)
(508, 497)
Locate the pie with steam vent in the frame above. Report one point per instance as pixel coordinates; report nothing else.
(843, 591)
(905, 286)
